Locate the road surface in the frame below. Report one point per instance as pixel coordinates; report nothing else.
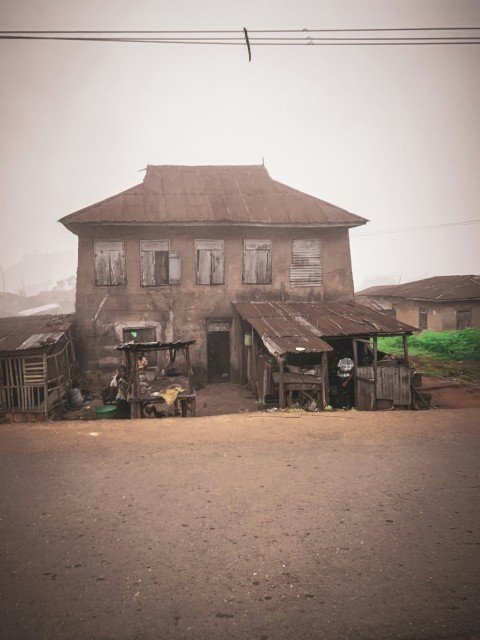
(347, 525)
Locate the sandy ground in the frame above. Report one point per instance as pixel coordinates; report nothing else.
(347, 525)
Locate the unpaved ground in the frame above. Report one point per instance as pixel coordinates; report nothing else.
(226, 398)
(347, 525)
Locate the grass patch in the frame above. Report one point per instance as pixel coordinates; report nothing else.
(442, 345)
(449, 354)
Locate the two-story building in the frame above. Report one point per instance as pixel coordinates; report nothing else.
(165, 259)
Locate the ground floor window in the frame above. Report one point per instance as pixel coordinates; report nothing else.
(464, 318)
(423, 318)
(142, 334)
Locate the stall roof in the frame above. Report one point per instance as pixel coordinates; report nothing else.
(32, 332)
(312, 320)
(154, 346)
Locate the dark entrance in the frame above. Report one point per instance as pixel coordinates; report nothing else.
(218, 351)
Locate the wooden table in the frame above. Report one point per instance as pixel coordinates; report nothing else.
(302, 383)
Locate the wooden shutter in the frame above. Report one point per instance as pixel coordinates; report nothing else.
(110, 263)
(175, 267)
(306, 267)
(257, 262)
(210, 261)
(464, 318)
(154, 258)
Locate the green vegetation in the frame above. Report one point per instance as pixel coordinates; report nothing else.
(448, 345)
(449, 354)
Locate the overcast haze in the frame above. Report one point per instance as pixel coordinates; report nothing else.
(389, 133)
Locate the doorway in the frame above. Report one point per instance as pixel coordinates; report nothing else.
(218, 351)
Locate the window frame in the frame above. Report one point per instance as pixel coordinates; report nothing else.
(103, 248)
(210, 257)
(148, 269)
(306, 267)
(252, 250)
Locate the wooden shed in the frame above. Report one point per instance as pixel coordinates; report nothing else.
(36, 366)
(292, 350)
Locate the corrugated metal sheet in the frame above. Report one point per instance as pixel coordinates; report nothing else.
(326, 319)
(437, 288)
(38, 340)
(32, 332)
(234, 194)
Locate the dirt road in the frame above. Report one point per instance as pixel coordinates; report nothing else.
(338, 526)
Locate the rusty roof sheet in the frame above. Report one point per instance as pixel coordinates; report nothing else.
(438, 288)
(208, 194)
(325, 319)
(32, 332)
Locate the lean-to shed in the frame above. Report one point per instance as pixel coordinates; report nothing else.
(319, 335)
(36, 366)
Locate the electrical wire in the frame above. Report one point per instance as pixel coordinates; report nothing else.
(281, 37)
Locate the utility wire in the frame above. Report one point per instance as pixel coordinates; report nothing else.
(280, 37)
(422, 228)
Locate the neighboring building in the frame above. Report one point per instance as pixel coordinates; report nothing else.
(165, 259)
(441, 303)
(36, 365)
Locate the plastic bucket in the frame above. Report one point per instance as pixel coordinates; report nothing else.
(106, 411)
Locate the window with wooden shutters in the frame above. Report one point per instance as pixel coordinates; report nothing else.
(110, 263)
(423, 318)
(257, 261)
(159, 265)
(306, 267)
(209, 261)
(464, 318)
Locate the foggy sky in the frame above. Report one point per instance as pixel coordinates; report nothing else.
(389, 133)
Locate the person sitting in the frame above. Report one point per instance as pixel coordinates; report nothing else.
(109, 394)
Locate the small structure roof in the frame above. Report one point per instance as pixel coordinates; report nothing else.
(315, 320)
(212, 194)
(154, 346)
(32, 332)
(437, 288)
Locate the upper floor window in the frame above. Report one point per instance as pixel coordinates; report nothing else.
(257, 261)
(209, 261)
(423, 318)
(306, 268)
(159, 265)
(464, 318)
(110, 263)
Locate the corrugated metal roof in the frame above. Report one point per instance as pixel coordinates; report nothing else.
(32, 332)
(314, 319)
(437, 288)
(230, 194)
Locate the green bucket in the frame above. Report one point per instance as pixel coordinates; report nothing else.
(106, 411)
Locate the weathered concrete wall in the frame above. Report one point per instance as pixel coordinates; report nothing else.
(441, 316)
(180, 311)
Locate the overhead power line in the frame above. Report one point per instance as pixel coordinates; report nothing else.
(422, 228)
(266, 37)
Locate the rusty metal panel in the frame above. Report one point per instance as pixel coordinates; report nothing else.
(330, 319)
(306, 267)
(235, 194)
(23, 332)
(437, 288)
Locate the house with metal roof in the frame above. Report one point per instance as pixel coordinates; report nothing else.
(36, 366)
(165, 260)
(440, 303)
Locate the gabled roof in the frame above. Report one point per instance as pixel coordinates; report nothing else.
(438, 288)
(315, 320)
(32, 332)
(212, 194)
